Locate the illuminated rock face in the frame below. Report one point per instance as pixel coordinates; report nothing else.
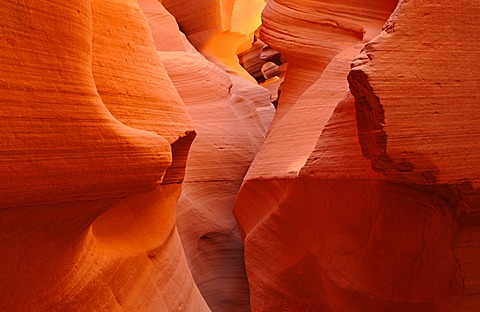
(214, 174)
(123, 151)
(90, 167)
(231, 116)
(219, 29)
(230, 131)
(372, 206)
(309, 33)
(96, 140)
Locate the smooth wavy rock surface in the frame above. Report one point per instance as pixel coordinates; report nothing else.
(214, 174)
(139, 170)
(86, 222)
(310, 33)
(231, 115)
(219, 29)
(373, 210)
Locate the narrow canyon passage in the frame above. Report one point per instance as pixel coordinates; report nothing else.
(239, 155)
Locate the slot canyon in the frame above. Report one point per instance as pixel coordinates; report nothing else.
(239, 155)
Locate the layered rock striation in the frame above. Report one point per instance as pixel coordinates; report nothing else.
(231, 115)
(127, 139)
(91, 167)
(309, 34)
(370, 207)
(416, 130)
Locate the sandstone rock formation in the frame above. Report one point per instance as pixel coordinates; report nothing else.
(127, 139)
(231, 116)
(77, 235)
(214, 174)
(219, 29)
(254, 59)
(370, 207)
(409, 139)
(166, 34)
(309, 34)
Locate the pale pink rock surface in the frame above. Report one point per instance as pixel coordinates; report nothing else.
(230, 132)
(231, 115)
(164, 27)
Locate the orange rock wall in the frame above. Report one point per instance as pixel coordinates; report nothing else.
(84, 132)
(310, 33)
(126, 144)
(370, 207)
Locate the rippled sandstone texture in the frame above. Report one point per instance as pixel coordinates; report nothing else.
(366, 200)
(214, 174)
(90, 168)
(231, 116)
(363, 197)
(310, 33)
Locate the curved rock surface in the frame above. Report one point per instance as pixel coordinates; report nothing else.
(309, 34)
(361, 212)
(166, 34)
(214, 174)
(230, 131)
(88, 204)
(231, 115)
(364, 196)
(36, 109)
(219, 29)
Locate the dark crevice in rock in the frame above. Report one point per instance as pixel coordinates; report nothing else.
(180, 148)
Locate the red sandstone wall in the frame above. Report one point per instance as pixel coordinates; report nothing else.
(123, 152)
